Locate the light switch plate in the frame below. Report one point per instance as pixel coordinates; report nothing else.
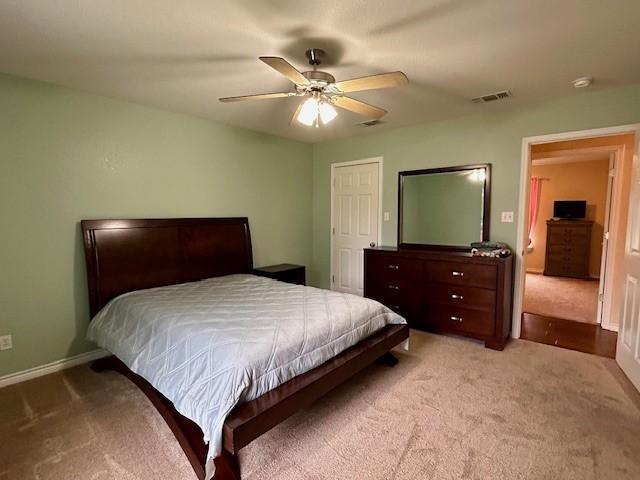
(507, 217)
(6, 342)
(386, 216)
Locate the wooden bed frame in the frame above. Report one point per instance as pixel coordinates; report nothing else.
(127, 255)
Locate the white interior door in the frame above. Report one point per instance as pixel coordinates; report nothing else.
(628, 349)
(355, 223)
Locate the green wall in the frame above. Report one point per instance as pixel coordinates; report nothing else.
(494, 138)
(443, 209)
(65, 156)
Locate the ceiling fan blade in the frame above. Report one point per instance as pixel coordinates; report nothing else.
(383, 80)
(359, 107)
(261, 96)
(285, 68)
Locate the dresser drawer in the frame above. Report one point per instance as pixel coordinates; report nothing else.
(390, 290)
(564, 228)
(394, 268)
(459, 296)
(463, 274)
(554, 239)
(566, 258)
(405, 308)
(574, 238)
(406, 304)
(388, 276)
(457, 319)
(568, 249)
(567, 270)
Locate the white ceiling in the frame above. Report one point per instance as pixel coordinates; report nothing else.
(183, 55)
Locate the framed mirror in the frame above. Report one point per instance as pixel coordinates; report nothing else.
(444, 207)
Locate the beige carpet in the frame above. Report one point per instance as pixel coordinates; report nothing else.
(80, 425)
(560, 297)
(450, 409)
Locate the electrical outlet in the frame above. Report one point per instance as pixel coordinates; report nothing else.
(507, 217)
(386, 216)
(6, 342)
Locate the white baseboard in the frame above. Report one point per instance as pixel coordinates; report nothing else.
(56, 366)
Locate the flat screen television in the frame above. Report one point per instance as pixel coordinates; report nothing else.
(570, 209)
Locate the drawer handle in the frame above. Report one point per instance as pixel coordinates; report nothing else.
(394, 287)
(456, 319)
(394, 267)
(457, 274)
(457, 297)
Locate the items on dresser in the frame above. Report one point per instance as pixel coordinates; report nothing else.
(285, 272)
(568, 248)
(490, 249)
(444, 291)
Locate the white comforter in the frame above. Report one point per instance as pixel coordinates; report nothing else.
(212, 344)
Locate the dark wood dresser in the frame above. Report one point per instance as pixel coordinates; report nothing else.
(443, 291)
(568, 248)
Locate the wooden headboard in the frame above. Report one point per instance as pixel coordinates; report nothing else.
(127, 255)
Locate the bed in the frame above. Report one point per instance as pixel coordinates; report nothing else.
(224, 355)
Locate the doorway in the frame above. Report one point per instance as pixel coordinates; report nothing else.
(576, 189)
(569, 204)
(356, 207)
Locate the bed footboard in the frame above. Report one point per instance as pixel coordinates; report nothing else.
(250, 420)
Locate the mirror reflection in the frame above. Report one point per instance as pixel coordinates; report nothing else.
(443, 208)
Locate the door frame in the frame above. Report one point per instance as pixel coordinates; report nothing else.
(364, 161)
(523, 202)
(604, 293)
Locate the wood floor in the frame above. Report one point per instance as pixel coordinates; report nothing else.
(579, 336)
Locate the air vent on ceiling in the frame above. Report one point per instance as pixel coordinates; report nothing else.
(370, 123)
(492, 97)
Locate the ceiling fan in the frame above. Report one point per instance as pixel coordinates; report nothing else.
(322, 92)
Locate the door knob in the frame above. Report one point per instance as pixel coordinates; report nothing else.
(372, 244)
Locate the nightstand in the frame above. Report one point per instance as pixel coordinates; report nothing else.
(285, 272)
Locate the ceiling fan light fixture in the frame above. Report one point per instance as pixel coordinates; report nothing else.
(327, 112)
(309, 112)
(321, 93)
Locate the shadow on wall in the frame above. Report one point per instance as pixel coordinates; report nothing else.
(80, 296)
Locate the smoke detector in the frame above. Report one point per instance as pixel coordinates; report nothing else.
(492, 97)
(582, 82)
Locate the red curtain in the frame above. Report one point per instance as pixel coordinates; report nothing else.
(534, 204)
